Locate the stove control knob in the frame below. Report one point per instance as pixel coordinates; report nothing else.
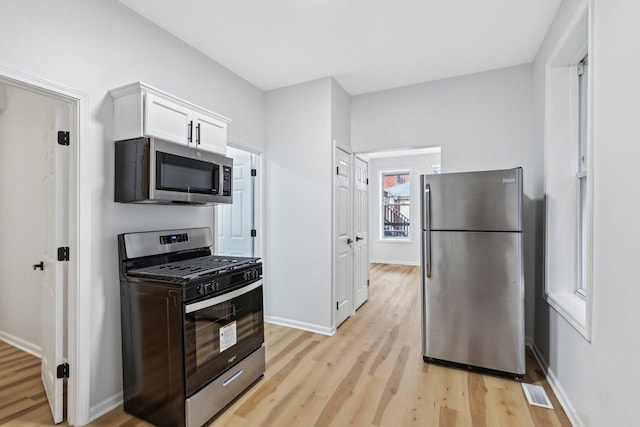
(208, 288)
(200, 290)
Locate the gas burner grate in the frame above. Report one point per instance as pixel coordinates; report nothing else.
(195, 267)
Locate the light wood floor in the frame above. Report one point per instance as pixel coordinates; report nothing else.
(370, 373)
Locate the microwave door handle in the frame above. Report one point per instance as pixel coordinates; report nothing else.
(189, 308)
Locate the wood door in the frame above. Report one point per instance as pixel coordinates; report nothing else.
(361, 232)
(343, 241)
(235, 221)
(55, 271)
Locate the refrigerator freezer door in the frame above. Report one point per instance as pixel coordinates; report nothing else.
(476, 201)
(474, 300)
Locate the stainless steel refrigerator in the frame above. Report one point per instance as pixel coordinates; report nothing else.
(472, 271)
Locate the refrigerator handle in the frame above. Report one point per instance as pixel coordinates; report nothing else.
(427, 228)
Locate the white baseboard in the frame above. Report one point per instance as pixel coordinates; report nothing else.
(393, 262)
(23, 345)
(300, 325)
(555, 385)
(107, 405)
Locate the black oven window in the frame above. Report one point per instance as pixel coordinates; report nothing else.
(221, 335)
(216, 330)
(176, 173)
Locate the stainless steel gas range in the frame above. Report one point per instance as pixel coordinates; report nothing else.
(192, 326)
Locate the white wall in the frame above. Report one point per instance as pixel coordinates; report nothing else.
(24, 127)
(93, 46)
(481, 121)
(340, 116)
(598, 378)
(390, 251)
(298, 206)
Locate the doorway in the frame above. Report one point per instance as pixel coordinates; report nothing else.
(394, 203)
(236, 230)
(67, 225)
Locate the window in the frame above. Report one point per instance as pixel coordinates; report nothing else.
(568, 185)
(396, 205)
(582, 70)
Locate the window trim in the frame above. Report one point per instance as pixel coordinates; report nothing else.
(381, 175)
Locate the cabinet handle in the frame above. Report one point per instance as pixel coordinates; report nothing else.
(190, 132)
(198, 134)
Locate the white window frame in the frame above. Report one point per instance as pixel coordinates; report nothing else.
(582, 173)
(568, 225)
(381, 236)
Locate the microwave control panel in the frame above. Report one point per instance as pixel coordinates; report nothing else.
(226, 181)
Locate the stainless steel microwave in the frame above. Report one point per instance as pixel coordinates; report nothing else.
(151, 170)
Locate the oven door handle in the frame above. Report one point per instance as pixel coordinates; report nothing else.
(189, 308)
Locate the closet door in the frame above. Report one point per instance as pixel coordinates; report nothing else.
(360, 230)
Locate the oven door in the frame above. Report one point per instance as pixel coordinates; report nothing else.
(221, 331)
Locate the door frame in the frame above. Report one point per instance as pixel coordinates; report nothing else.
(79, 268)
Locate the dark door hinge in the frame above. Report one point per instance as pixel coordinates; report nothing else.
(337, 305)
(254, 172)
(368, 282)
(63, 138)
(254, 233)
(337, 170)
(63, 253)
(62, 370)
(367, 181)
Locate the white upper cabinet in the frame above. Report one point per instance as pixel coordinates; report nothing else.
(166, 119)
(140, 110)
(210, 133)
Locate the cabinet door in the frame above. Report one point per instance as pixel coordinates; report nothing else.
(210, 134)
(167, 120)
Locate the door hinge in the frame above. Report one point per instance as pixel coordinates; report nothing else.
(337, 305)
(254, 233)
(337, 170)
(63, 137)
(62, 370)
(63, 253)
(367, 282)
(254, 172)
(367, 181)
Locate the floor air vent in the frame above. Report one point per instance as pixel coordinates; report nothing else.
(536, 395)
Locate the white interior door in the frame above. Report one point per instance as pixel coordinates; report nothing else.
(360, 230)
(343, 242)
(235, 221)
(55, 272)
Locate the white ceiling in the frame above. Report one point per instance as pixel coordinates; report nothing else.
(366, 45)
